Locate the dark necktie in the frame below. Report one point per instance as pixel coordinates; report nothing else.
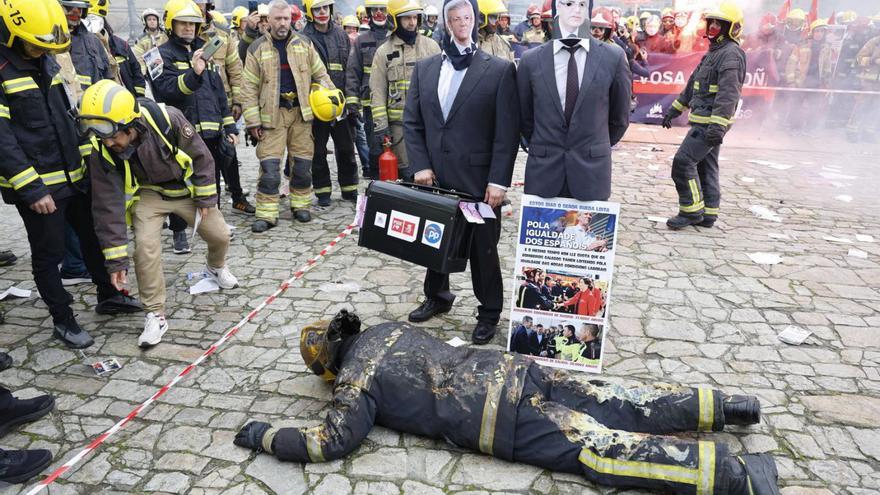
(571, 83)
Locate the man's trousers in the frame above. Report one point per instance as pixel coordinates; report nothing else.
(147, 217)
(695, 173)
(343, 148)
(293, 135)
(610, 434)
(46, 238)
(485, 273)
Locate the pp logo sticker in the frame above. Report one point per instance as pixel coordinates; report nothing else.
(433, 234)
(403, 226)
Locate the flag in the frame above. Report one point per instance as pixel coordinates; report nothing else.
(831, 17)
(814, 13)
(783, 11)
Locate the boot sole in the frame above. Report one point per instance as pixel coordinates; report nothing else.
(21, 478)
(72, 345)
(438, 312)
(27, 418)
(118, 310)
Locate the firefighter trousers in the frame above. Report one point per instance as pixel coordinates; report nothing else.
(696, 175)
(372, 171)
(399, 149)
(294, 135)
(611, 435)
(344, 153)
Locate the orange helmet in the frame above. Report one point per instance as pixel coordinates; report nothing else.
(601, 18)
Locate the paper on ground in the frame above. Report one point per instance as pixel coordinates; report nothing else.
(456, 342)
(846, 198)
(644, 156)
(857, 253)
(653, 167)
(340, 287)
(794, 335)
(765, 258)
(774, 235)
(204, 285)
(765, 213)
(14, 292)
(864, 238)
(747, 179)
(657, 219)
(831, 238)
(777, 166)
(192, 241)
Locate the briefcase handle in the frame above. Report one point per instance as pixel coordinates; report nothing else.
(437, 190)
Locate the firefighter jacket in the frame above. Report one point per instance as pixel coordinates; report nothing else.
(202, 98)
(171, 159)
(261, 83)
(393, 64)
(129, 70)
(147, 42)
(868, 61)
(246, 40)
(713, 90)
(533, 35)
(89, 57)
(357, 73)
(38, 139)
(114, 64)
(396, 375)
(496, 46)
(333, 48)
(229, 64)
(810, 66)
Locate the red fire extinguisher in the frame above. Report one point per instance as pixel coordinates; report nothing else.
(387, 162)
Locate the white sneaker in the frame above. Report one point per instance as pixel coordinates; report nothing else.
(155, 327)
(224, 278)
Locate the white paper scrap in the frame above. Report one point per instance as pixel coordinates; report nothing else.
(653, 167)
(14, 292)
(765, 258)
(765, 213)
(485, 210)
(774, 235)
(747, 179)
(657, 219)
(204, 285)
(794, 335)
(864, 238)
(779, 166)
(456, 342)
(857, 253)
(846, 198)
(842, 240)
(644, 156)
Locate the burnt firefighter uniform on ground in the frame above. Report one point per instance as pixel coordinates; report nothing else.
(146, 162)
(280, 68)
(505, 405)
(127, 68)
(42, 172)
(392, 68)
(357, 74)
(333, 46)
(192, 84)
(712, 94)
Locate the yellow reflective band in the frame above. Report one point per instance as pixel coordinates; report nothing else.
(349, 100)
(698, 119)
(84, 81)
(24, 178)
(228, 121)
(207, 190)
(713, 88)
(120, 59)
(707, 409)
(313, 444)
(711, 211)
(207, 126)
(250, 76)
(85, 149)
(350, 188)
(317, 66)
(298, 201)
(181, 65)
(696, 85)
(490, 407)
(4, 111)
(171, 193)
(692, 208)
(695, 191)
(251, 112)
(366, 102)
(368, 69)
(232, 57)
(266, 55)
(115, 252)
(57, 80)
(638, 469)
(306, 111)
(266, 118)
(299, 49)
(182, 85)
(334, 66)
(679, 106)
(322, 190)
(395, 114)
(21, 84)
(400, 85)
(717, 119)
(706, 466)
(140, 91)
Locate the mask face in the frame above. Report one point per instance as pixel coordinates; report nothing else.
(94, 23)
(572, 14)
(714, 29)
(681, 22)
(380, 15)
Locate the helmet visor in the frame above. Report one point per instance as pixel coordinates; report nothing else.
(97, 125)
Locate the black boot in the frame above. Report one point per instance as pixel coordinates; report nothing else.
(120, 303)
(708, 221)
(741, 410)
(72, 334)
(483, 333)
(324, 200)
(261, 226)
(751, 474)
(21, 411)
(302, 216)
(428, 310)
(5, 361)
(350, 196)
(681, 221)
(18, 466)
(7, 258)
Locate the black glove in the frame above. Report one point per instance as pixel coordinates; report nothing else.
(714, 134)
(352, 109)
(344, 324)
(671, 114)
(251, 436)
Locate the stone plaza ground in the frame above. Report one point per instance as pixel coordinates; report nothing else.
(687, 307)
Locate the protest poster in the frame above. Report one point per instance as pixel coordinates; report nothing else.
(563, 272)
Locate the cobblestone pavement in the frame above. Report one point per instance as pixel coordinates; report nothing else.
(687, 307)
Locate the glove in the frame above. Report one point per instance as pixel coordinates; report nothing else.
(714, 135)
(668, 118)
(379, 137)
(251, 436)
(352, 109)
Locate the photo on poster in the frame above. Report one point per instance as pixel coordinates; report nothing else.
(577, 229)
(558, 341)
(559, 291)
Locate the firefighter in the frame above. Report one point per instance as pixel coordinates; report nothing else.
(863, 122)
(42, 173)
(239, 14)
(712, 94)
(430, 26)
(503, 28)
(152, 37)
(846, 72)
(601, 26)
(351, 25)
(655, 41)
(357, 77)
(333, 46)
(507, 406)
(392, 67)
(280, 68)
(128, 68)
(810, 66)
(147, 162)
(535, 33)
(490, 41)
(361, 13)
(88, 55)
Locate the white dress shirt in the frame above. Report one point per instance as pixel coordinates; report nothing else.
(560, 64)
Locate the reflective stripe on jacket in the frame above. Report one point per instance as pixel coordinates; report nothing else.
(713, 90)
(393, 64)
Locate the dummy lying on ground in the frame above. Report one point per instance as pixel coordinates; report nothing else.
(507, 406)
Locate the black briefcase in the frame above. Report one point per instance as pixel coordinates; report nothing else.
(419, 224)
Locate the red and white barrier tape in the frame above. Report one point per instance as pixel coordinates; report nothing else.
(211, 350)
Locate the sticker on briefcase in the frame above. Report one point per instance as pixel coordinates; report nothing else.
(403, 226)
(380, 220)
(433, 234)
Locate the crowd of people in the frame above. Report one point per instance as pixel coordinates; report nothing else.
(550, 292)
(561, 341)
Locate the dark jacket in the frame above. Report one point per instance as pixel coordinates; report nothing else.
(477, 143)
(89, 57)
(396, 375)
(129, 67)
(38, 139)
(530, 297)
(333, 47)
(357, 72)
(202, 98)
(578, 153)
(521, 341)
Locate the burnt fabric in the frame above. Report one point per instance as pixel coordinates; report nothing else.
(396, 375)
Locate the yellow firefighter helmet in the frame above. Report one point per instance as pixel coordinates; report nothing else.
(327, 104)
(315, 350)
(183, 11)
(106, 108)
(41, 23)
(308, 5)
(489, 7)
(403, 7)
(238, 14)
(796, 15)
(350, 21)
(729, 11)
(818, 23)
(99, 7)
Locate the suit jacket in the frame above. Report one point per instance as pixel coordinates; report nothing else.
(521, 341)
(579, 153)
(477, 143)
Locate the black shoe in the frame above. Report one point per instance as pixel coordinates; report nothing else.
(681, 221)
(72, 334)
(68, 279)
(261, 226)
(5, 361)
(18, 466)
(741, 410)
(303, 216)
(429, 309)
(484, 332)
(708, 221)
(242, 205)
(350, 196)
(21, 411)
(7, 258)
(324, 200)
(119, 304)
(761, 475)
